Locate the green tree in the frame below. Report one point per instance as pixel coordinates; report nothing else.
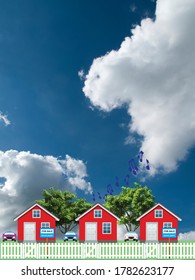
(130, 204)
(64, 205)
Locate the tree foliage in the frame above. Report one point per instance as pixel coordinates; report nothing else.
(64, 205)
(130, 204)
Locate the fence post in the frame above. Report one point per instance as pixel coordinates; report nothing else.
(83, 250)
(96, 250)
(157, 250)
(143, 250)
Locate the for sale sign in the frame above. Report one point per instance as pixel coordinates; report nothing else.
(46, 232)
(169, 233)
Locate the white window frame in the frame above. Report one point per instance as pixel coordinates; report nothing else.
(155, 214)
(99, 210)
(33, 211)
(45, 223)
(167, 223)
(110, 228)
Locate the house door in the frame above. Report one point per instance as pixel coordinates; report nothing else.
(151, 231)
(29, 231)
(90, 231)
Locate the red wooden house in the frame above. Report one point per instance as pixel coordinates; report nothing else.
(97, 224)
(154, 220)
(32, 220)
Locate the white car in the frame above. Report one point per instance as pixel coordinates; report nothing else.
(131, 235)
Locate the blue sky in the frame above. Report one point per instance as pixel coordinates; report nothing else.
(84, 86)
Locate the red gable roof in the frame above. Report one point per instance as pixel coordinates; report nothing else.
(36, 204)
(101, 206)
(155, 206)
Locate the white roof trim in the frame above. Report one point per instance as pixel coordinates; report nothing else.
(36, 204)
(158, 204)
(97, 204)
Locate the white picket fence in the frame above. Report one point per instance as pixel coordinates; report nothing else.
(97, 250)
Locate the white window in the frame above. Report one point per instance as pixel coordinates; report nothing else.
(45, 225)
(98, 213)
(158, 213)
(106, 229)
(36, 213)
(167, 225)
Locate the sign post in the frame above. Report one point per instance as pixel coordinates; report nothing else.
(169, 233)
(47, 233)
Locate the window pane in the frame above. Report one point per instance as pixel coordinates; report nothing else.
(98, 213)
(36, 213)
(168, 225)
(45, 225)
(158, 213)
(106, 228)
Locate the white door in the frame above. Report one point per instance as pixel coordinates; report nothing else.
(29, 231)
(90, 231)
(151, 231)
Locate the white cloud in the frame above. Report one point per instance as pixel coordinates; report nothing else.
(133, 8)
(25, 175)
(4, 119)
(187, 236)
(81, 74)
(152, 74)
(129, 140)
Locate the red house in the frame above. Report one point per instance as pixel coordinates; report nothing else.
(97, 224)
(154, 220)
(32, 220)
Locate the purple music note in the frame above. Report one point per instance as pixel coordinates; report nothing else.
(140, 156)
(110, 189)
(99, 195)
(105, 197)
(147, 164)
(133, 167)
(93, 196)
(126, 179)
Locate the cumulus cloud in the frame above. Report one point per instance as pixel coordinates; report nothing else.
(152, 75)
(24, 176)
(187, 236)
(4, 119)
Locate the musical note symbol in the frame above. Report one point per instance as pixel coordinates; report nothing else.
(99, 195)
(133, 167)
(126, 180)
(140, 156)
(110, 189)
(93, 196)
(147, 164)
(105, 197)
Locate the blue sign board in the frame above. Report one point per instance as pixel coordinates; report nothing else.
(46, 232)
(169, 233)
